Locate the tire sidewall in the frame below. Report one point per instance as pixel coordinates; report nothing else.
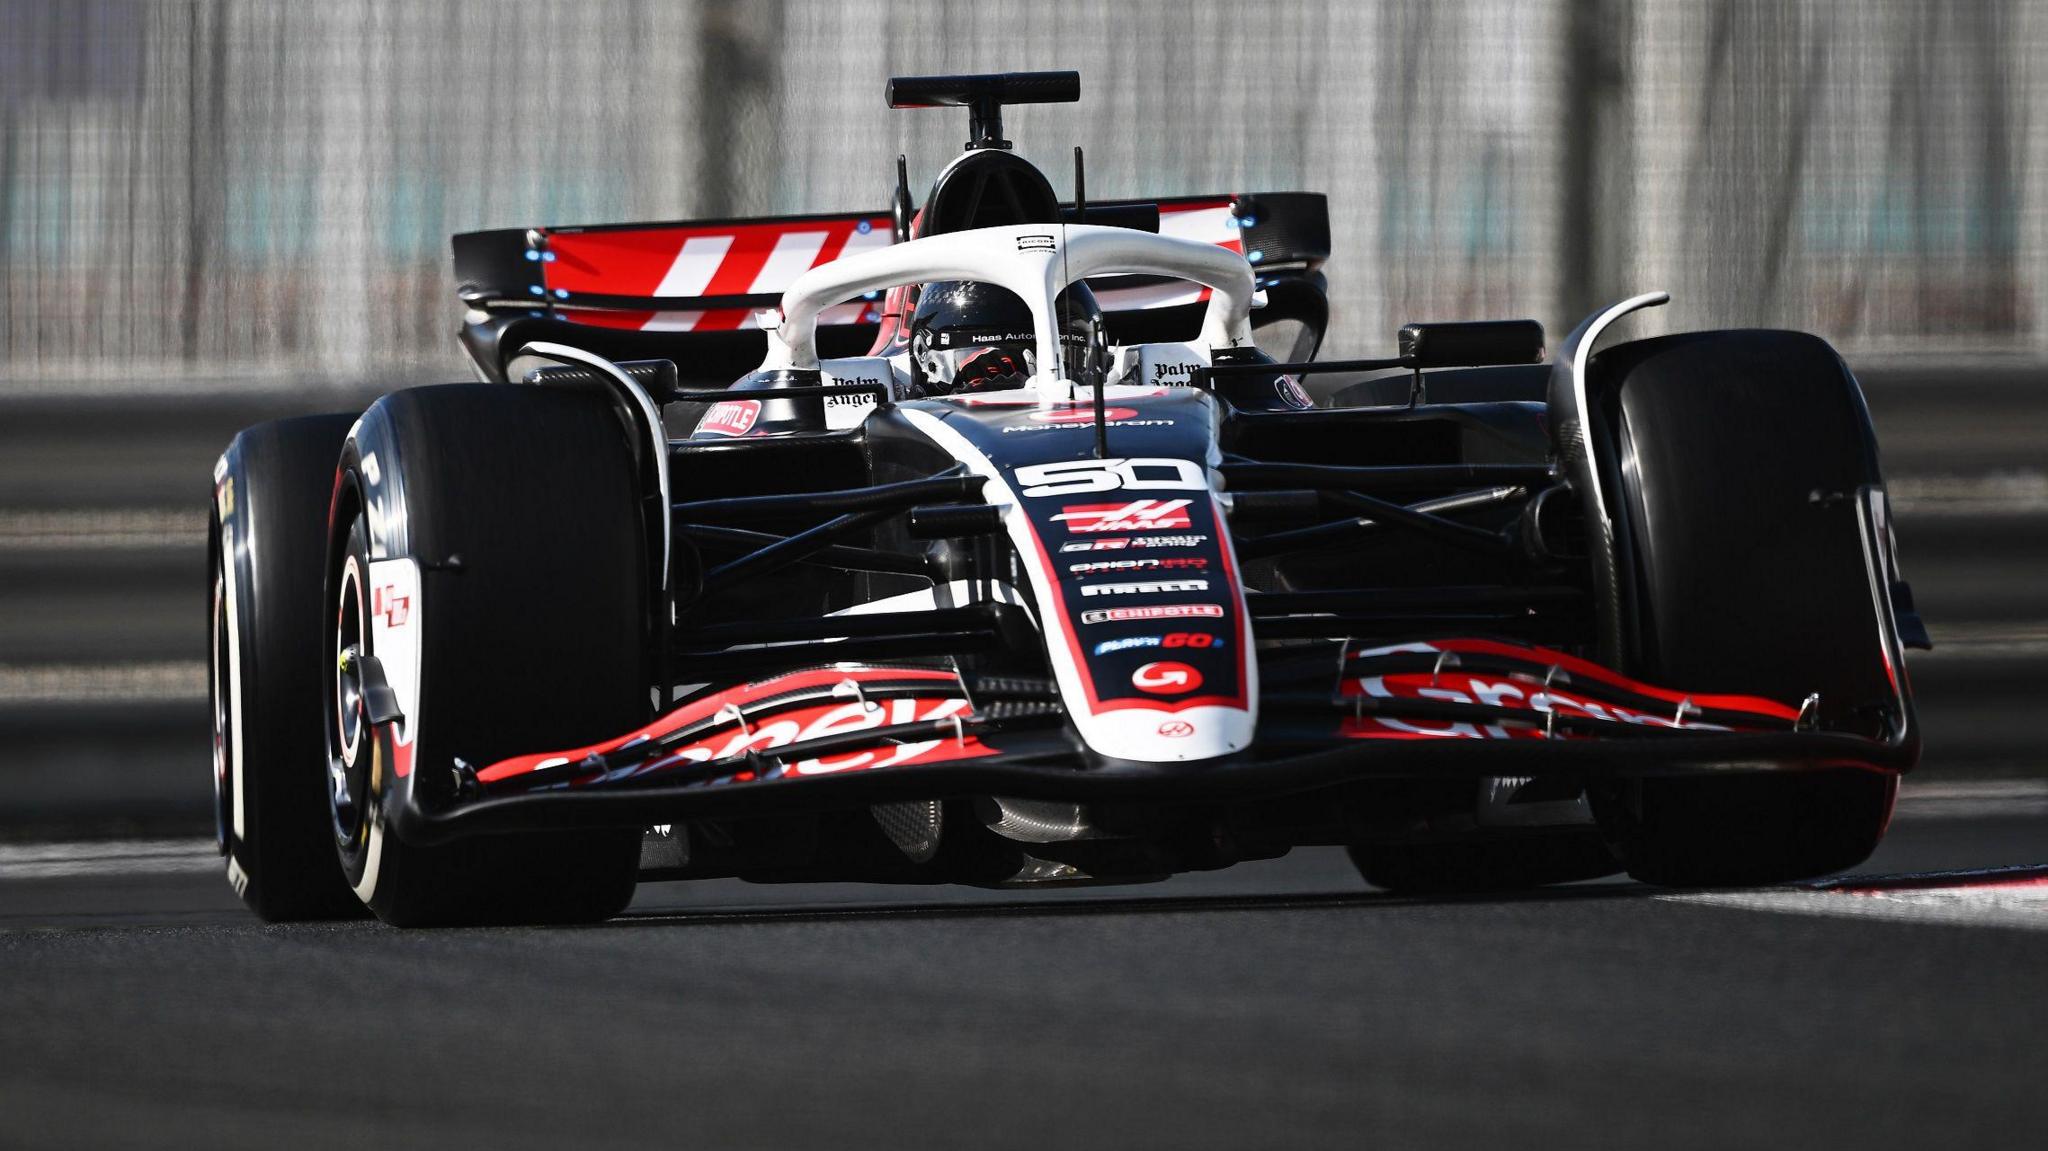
(264, 551)
(373, 865)
(348, 573)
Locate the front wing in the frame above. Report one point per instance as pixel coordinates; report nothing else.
(852, 734)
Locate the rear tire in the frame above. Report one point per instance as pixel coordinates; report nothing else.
(266, 542)
(1739, 458)
(521, 506)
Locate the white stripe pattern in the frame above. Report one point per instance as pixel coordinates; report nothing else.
(694, 265)
(794, 254)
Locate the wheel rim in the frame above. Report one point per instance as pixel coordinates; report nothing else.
(223, 728)
(348, 730)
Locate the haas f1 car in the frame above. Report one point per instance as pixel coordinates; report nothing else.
(1002, 540)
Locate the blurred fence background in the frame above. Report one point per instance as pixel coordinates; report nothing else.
(219, 211)
(265, 189)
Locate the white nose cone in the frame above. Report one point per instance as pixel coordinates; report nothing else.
(1150, 736)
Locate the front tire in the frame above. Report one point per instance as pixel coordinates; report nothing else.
(520, 510)
(1740, 457)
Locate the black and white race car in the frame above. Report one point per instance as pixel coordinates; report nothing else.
(1015, 555)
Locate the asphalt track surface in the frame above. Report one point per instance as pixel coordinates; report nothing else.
(1280, 1004)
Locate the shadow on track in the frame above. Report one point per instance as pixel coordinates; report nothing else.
(1146, 905)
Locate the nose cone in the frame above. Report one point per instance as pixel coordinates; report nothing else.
(1133, 579)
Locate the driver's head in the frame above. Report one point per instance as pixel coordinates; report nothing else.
(968, 336)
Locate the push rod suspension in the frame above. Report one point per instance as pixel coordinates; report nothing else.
(1392, 478)
(893, 497)
(1324, 535)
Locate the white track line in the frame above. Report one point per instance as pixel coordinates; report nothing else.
(165, 681)
(1974, 799)
(125, 379)
(2022, 492)
(102, 529)
(2009, 639)
(2001, 898)
(118, 857)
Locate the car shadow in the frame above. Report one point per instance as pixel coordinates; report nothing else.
(1070, 905)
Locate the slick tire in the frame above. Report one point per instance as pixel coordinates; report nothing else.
(1739, 456)
(520, 513)
(266, 544)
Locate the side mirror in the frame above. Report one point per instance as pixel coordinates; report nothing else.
(1475, 344)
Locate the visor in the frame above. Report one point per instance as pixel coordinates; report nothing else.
(991, 359)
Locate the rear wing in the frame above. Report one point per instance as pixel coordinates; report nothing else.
(692, 291)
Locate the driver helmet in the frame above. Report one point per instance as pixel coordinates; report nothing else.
(968, 336)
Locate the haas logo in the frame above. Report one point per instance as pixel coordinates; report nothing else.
(1130, 516)
(393, 607)
(1166, 678)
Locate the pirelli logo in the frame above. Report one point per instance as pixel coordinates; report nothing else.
(1145, 587)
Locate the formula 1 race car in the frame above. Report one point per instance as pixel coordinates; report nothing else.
(1004, 541)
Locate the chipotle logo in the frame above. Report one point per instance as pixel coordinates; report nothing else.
(731, 418)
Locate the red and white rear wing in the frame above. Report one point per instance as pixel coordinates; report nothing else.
(717, 276)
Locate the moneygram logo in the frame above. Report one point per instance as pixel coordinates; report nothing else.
(1082, 415)
(1130, 516)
